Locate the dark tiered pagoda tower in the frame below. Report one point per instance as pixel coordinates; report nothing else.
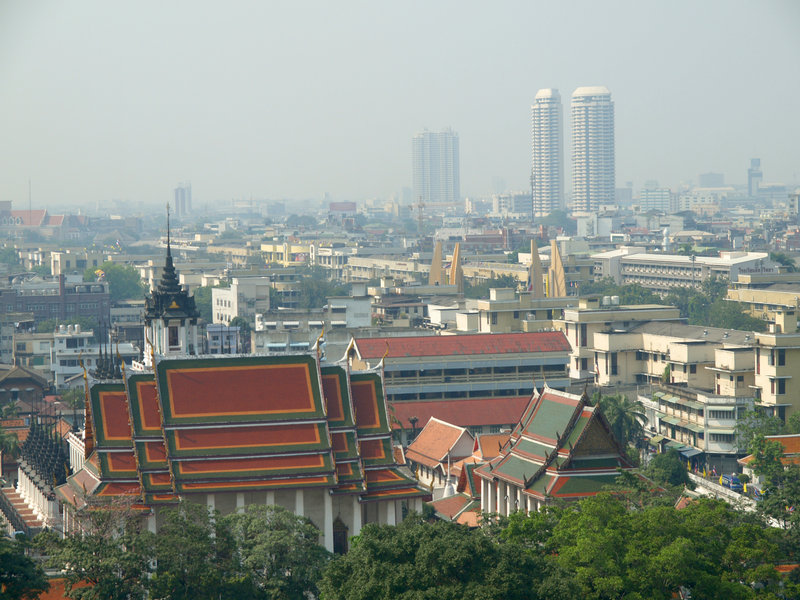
(170, 317)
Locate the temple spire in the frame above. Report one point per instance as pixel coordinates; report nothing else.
(169, 279)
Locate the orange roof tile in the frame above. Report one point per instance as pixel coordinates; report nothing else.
(470, 344)
(472, 412)
(433, 443)
(451, 505)
(488, 445)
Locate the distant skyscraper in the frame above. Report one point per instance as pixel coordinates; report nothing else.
(592, 148)
(754, 177)
(547, 167)
(183, 199)
(436, 166)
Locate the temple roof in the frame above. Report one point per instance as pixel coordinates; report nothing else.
(169, 299)
(561, 447)
(239, 423)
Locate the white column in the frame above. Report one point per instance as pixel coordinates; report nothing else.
(299, 508)
(239, 501)
(490, 505)
(391, 513)
(483, 495)
(327, 527)
(356, 516)
(270, 498)
(151, 522)
(527, 504)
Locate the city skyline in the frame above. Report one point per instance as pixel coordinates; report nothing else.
(593, 159)
(547, 141)
(279, 101)
(435, 166)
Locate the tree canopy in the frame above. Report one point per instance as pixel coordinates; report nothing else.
(417, 559)
(20, 576)
(265, 553)
(481, 290)
(124, 282)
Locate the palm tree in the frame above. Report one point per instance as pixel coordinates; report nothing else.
(9, 444)
(625, 416)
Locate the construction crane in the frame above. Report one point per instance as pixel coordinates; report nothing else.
(420, 206)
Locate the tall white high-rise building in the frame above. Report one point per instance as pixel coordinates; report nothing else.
(435, 166)
(547, 166)
(592, 148)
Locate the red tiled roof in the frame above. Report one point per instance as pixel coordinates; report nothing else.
(30, 217)
(55, 220)
(451, 505)
(488, 445)
(449, 345)
(433, 443)
(472, 412)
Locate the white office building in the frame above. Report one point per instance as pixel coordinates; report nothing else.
(547, 167)
(435, 166)
(592, 148)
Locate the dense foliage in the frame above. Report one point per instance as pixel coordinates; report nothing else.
(481, 290)
(20, 576)
(263, 554)
(124, 282)
(704, 306)
(597, 549)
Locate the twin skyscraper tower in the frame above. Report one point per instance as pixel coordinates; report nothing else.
(592, 150)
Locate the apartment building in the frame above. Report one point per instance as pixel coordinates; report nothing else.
(595, 315)
(246, 297)
(661, 272)
(507, 311)
(32, 351)
(71, 346)
(445, 367)
(60, 297)
(777, 361)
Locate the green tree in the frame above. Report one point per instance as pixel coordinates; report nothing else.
(668, 468)
(279, 551)
(20, 576)
(709, 548)
(785, 260)
(754, 425)
(110, 561)
(302, 221)
(481, 290)
(202, 301)
(727, 314)
(244, 331)
(9, 256)
(315, 288)
(196, 557)
(560, 218)
(625, 416)
(86, 323)
(124, 282)
(419, 560)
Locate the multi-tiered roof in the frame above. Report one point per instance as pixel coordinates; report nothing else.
(241, 423)
(562, 447)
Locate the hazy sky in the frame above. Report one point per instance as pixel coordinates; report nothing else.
(122, 100)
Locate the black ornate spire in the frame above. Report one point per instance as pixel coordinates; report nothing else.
(169, 299)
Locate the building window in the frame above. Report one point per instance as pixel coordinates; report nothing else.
(494, 318)
(173, 336)
(614, 366)
(781, 386)
(692, 369)
(781, 357)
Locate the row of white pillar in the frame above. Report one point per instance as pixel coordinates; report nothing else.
(44, 508)
(501, 498)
